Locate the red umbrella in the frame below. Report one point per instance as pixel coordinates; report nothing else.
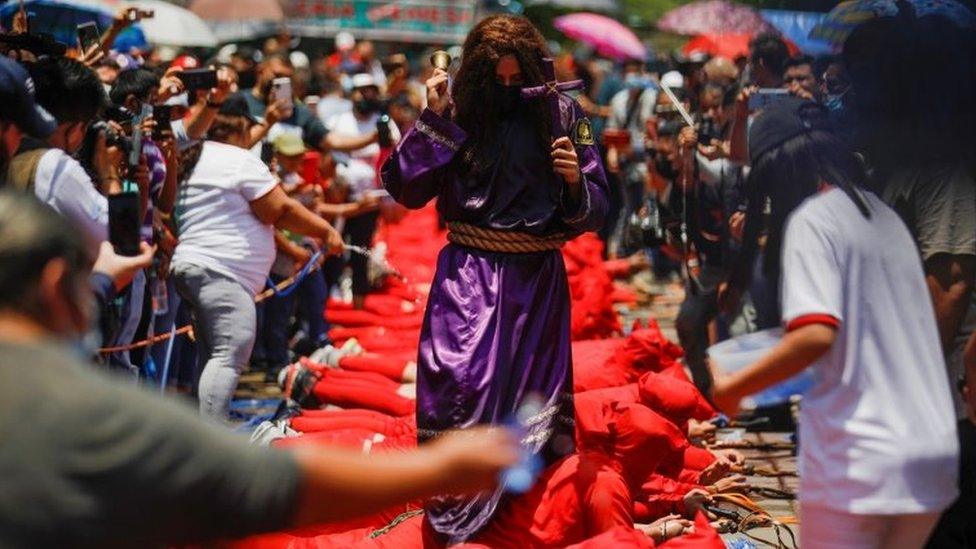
(730, 46)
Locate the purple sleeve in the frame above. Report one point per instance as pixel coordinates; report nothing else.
(589, 213)
(414, 172)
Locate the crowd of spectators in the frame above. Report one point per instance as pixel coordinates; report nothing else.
(258, 165)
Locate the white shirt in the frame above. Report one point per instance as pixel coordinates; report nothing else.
(217, 228)
(877, 431)
(360, 172)
(332, 105)
(62, 184)
(644, 111)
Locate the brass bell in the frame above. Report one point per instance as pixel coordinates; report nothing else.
(440, 59)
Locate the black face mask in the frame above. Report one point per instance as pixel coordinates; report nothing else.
(664, 167)
(508, 98)
(247, 79)
(367, 106)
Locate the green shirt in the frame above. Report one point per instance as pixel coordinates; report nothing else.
(87, 460)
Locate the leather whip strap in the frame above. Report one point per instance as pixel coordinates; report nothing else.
(502, 241)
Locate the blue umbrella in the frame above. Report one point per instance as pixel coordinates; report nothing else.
(846, 16)
(61, 18)
(796, 26)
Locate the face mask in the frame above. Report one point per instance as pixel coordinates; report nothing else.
(834, 102)
(634, 81)
(508, 97)
(663, 166)
(367, 106)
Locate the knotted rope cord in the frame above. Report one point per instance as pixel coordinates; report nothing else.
(759, 517)
(503, 241)
(759, 471)
(292, 280)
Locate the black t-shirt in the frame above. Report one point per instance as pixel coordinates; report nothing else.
(89, 461)
(957, 527)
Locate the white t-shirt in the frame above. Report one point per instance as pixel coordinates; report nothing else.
(877, 431)
(61, 183)
(217, 228)
(360, 172)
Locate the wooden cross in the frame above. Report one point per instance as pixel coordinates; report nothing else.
(550, 90)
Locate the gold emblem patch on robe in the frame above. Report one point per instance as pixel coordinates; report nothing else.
(582, 132)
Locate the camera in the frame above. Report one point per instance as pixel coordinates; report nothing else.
(112, 137)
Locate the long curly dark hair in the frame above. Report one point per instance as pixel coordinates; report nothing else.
(476, 109)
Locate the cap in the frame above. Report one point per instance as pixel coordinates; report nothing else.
(784, 120)
(289, 144)
(299, 60)
(186, 62)
(673, 79)
(236, 105)
(17, 102)
(344, 41)
(363, 80)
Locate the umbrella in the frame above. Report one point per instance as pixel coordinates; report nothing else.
(713, 17)
(592, 5)
(729, 46)
(60, 19)
(238, 10)
(608, 36)
(236, 20)
(175, 26)
(796, 26)
(846, 16)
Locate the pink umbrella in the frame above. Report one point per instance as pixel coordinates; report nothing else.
(607, 36)
(238, 10)
(713, 17)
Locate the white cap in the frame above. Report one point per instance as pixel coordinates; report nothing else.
(299, 60)
(344, 41)
(673, 80)
(363, 80)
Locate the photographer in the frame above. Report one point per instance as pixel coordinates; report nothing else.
(360, 172)
(631, 109)
(72, 93)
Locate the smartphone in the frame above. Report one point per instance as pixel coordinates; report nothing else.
(88, 36)
(763, 97)
(124, 223)
(198, 79)
(283, 94)
(162, 115)
(383, 133)
(135, 154)
(135, 14)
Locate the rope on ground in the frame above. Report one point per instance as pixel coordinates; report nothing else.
(760, 518)
(402, 517)
(290, 281)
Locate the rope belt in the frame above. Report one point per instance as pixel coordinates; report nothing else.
(510, 242)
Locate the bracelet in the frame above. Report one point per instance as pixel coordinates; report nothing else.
(664, 531)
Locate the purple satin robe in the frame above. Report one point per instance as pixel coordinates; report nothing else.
(496, 329)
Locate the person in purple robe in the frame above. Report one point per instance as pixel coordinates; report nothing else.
(496, 334)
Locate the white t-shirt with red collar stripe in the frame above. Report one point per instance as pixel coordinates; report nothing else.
(877, 431)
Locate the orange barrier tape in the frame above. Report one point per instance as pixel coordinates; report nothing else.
(189, 328)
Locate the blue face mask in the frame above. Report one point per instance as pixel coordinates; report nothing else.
(834, 102)
(633, 81)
